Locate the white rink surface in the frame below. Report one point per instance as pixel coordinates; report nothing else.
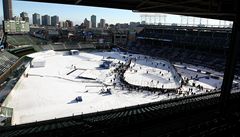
(153, 73)
(48, 92)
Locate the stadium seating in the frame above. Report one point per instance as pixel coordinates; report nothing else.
(58, 46)
(185, 56)
(207, 38)
(72, 45)
(148, 114)
(18, 40)
(6, 61)
(64, 46)
(205, 47)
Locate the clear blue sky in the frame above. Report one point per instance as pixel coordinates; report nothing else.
(78, 13)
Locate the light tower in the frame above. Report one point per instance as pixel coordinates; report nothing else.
(153, 18)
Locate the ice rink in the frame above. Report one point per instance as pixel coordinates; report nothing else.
(48, 89)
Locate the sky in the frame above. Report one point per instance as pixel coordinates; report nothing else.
(78, 13)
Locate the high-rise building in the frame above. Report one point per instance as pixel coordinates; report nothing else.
(102, 23)
(69, 23)
(24, 16)
(36, 19)
(122, 26)
(46, 20)
(7, 9)
(93, 21)
(143, 22)
(86, 23)
(133, 25)
(17, 18)
(61, 23)
(106, 25)
(54, 20)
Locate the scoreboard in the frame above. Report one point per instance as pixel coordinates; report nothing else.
(14, 27)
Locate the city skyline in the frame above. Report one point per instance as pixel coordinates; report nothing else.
(68, 12)
(77, 14)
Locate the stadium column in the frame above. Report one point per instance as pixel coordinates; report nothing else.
(230, 65)
(4, 38)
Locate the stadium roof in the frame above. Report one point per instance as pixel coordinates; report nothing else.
(218, 9)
